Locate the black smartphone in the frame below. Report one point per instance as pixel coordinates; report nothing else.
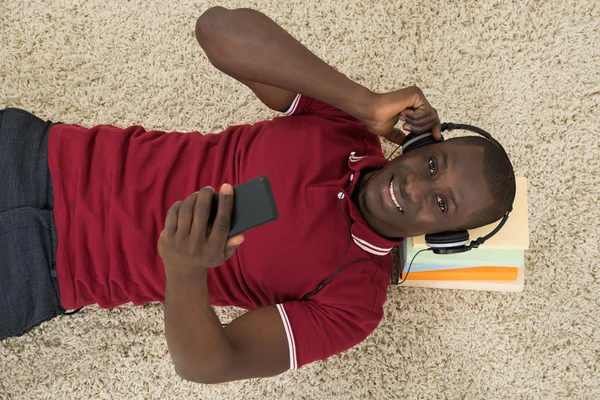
(253, 206)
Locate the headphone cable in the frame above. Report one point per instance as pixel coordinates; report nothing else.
(409, 266)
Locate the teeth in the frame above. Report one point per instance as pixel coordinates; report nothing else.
(394, 197)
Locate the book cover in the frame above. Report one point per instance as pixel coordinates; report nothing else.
(474, 257)
(490, 286)
(490, 273)
(430, 267)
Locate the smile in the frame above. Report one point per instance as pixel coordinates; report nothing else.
(393, 196)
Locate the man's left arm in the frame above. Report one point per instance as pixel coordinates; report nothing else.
(253, 345)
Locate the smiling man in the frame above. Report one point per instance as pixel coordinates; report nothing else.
(82, 210)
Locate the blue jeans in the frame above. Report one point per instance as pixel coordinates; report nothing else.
(28, 284)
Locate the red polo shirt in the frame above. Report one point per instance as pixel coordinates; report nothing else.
(114, 186)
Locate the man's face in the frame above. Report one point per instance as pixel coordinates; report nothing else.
(438, 188)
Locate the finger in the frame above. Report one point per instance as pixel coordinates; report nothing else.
(222, 223)
(437, 130)
(184, 219)
(407, 113)
(423, 128)
(232, 244)
(236, 240)
(171, 218)
(396, 136)
(425, 125)
(412, 116)
(428, 123)
(202, 210)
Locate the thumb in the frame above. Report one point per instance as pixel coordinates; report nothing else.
(232, 244)
(235, 240)
(396, 136)
(384, 128)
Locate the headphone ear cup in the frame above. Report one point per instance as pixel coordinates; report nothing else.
(447, 239)
(414, 141)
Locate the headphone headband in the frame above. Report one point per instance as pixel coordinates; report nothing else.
(449, 126)
(407, 143)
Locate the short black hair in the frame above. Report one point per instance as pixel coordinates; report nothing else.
(500, 178)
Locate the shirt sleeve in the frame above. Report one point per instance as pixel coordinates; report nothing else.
(335, 319)
(306, 105)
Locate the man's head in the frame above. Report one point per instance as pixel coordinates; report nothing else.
(461, 183)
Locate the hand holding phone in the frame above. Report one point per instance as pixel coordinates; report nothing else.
(186, 244)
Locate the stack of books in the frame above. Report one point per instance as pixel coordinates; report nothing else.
(497, 265)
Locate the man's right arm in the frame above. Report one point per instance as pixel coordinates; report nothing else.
(252, 48)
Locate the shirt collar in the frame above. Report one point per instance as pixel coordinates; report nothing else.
(362, 234)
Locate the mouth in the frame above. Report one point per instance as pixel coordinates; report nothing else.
(392, 190)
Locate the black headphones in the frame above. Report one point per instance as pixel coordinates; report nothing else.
(452, 242)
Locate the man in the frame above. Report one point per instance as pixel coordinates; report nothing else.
(82, 210)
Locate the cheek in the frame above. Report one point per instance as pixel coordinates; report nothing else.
(428, 220)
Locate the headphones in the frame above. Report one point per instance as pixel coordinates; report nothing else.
(452, 242)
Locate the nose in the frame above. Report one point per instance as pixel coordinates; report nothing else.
(414, 188)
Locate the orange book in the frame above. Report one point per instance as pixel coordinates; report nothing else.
(467, 274)
(493, 286)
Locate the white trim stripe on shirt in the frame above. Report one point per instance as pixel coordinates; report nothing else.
(354, 158)
(368, 247)
(293, 106)
(290, 336)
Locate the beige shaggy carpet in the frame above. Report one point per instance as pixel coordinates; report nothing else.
(528, 71)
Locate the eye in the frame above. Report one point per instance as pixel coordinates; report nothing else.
(432, 166)
(441, 203)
